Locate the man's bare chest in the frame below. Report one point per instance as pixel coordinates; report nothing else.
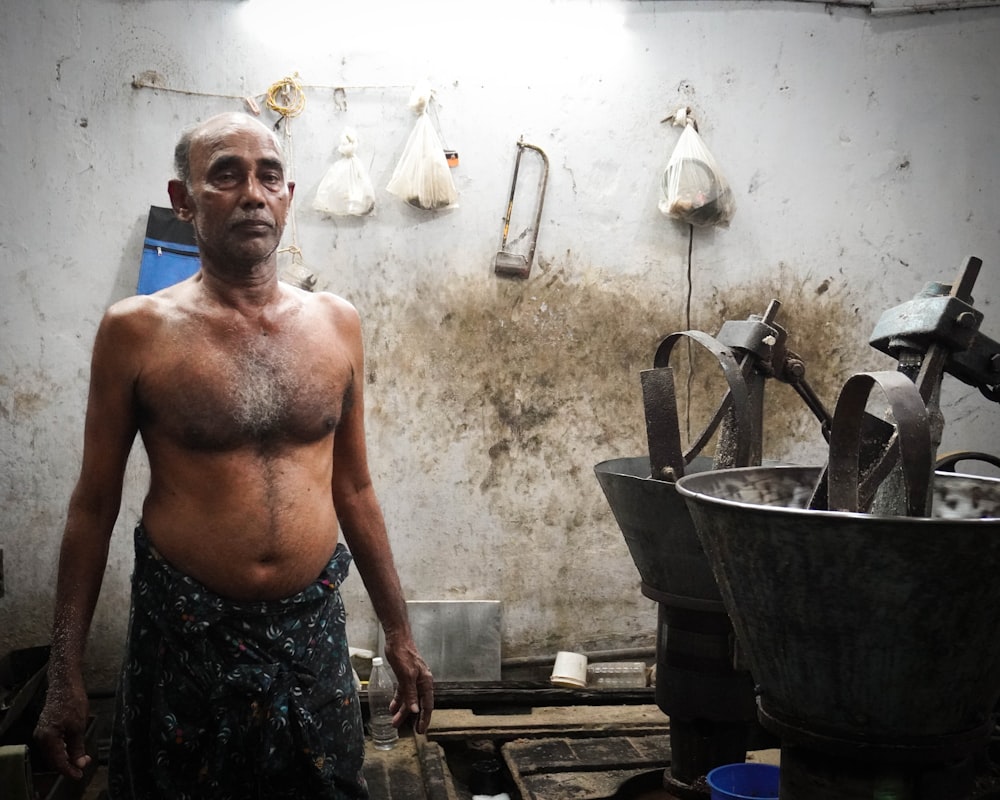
(243, 391)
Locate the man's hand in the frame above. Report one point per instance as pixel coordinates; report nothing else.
(61, 727)
(415, 690)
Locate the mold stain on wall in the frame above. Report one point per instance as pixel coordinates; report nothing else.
(828, 323)
(529, 384)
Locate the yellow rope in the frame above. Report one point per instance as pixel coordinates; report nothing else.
(286, 97)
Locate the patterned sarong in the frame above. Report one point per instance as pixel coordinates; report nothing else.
(225, 700)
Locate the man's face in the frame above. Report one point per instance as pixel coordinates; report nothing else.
(238, 197)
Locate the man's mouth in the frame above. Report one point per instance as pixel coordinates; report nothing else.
(253, 225)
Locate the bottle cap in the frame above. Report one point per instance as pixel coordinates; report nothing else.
(377, 661)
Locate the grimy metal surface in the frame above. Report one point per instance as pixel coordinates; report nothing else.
(708, 696)
(660, 535)
(710, 701)
(864, 634)
(934, 333)
(459, 639)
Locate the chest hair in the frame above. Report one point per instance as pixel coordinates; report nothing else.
(263, 389)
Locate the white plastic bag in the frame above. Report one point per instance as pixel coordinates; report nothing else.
(694, 190)
(346, 190)
(422, 177)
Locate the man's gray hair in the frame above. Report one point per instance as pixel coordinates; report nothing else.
(182, 155)
(182, 152)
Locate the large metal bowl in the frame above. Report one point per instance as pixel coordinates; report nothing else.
(879, 633)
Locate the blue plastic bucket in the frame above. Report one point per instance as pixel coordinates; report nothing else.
(748, 781)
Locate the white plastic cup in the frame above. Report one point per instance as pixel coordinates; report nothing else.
(570, 670)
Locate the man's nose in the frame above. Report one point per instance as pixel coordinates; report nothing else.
(253, 192)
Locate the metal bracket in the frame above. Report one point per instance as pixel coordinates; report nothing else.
(925, 336)
(749, 351)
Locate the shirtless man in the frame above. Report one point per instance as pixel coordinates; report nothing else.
(248, 395)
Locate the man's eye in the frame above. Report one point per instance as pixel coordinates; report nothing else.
(271, 179)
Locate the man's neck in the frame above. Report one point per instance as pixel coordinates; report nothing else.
(252, 289)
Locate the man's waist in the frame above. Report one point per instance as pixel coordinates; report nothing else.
(233, 568)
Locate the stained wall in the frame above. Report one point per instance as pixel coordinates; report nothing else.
(862, 154)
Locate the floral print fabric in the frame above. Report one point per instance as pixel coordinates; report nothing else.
(225, 700)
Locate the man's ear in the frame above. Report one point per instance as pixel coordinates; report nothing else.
(291, 189)
(180, 200)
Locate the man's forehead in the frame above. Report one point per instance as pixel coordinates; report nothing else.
(229, 133)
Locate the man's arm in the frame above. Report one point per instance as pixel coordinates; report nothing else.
(361, 520)
(109, 432)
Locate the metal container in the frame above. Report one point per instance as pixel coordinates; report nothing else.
(660, 535)
(865, 634)
(709, 699)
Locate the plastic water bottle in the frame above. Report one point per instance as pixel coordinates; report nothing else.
(381, 690)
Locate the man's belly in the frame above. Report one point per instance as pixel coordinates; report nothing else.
(230, 570)
(246, 539)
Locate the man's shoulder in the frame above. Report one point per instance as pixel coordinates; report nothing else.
(333, 304)
(333, 300)
(137, 309)
(141, 311)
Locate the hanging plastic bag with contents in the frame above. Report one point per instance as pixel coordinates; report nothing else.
(422, 176)
(693, 188)
(346, 190)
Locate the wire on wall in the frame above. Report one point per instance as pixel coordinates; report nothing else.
(286, 98)
(694, 191)
(153, 80)
(687, 327)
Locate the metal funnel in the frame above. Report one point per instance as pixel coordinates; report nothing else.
(870, 636)
(699, 685)
(660, 535)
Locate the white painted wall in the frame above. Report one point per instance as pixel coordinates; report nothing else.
(863, 156)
